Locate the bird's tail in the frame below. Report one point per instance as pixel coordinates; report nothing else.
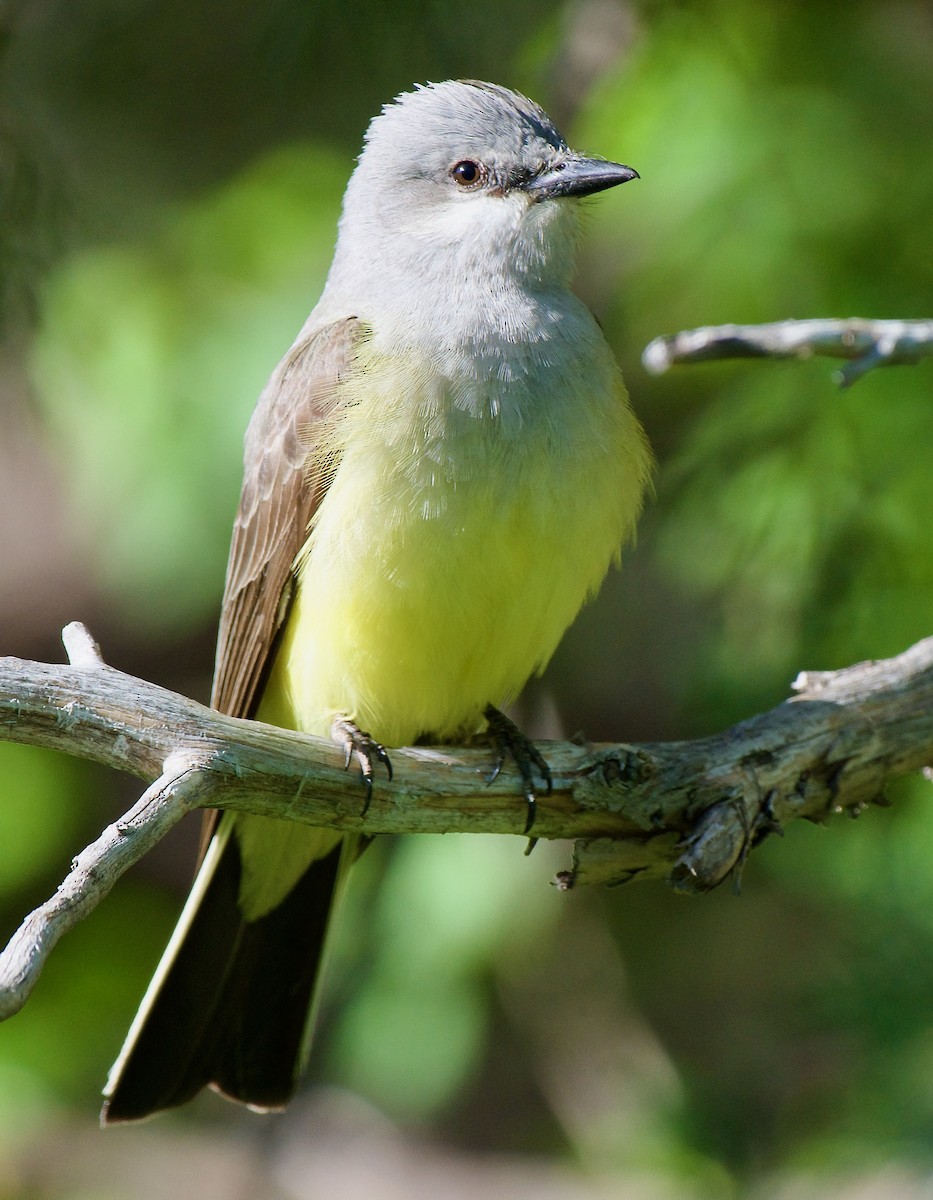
(230, 1005)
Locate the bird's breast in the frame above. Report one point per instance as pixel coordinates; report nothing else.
(467, 521)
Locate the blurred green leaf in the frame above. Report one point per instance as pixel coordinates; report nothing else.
(412, 1034)
(39, 819)
(150, 360)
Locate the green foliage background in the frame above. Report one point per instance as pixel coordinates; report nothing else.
(173, 178)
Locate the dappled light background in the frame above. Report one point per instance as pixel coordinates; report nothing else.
(171, 178)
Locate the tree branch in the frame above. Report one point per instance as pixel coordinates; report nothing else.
(867, 344)
(689, 811)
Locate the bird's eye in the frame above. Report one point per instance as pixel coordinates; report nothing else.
(467, 172)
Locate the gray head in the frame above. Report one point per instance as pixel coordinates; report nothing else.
(466, 178)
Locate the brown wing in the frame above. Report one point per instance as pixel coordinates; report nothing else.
(279, 498)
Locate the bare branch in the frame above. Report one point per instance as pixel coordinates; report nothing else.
(867, 344)
(687, 811)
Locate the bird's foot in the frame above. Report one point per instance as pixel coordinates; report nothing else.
(508, 739)
(367, 752)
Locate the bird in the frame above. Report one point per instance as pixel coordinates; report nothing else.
(438, 475)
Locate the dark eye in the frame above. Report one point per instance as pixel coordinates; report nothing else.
(467, 172)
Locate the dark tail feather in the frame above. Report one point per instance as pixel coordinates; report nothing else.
(230, 1007)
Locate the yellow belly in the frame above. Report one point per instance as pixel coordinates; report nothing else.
(448, 557)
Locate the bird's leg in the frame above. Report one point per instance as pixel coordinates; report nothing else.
(507, 739)
(359, 745)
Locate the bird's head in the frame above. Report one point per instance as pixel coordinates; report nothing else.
(469, 178)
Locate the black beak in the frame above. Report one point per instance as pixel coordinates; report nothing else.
(574, 176)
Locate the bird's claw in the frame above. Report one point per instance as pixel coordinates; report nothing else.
(508, 740)
(365, 749)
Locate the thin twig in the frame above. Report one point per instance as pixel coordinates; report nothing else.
(80, 647)
(866, 343)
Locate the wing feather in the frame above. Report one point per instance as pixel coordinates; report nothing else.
(279, 498)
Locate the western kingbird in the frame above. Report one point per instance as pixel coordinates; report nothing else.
(437, 476)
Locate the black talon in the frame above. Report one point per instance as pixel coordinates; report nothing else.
(359, 745)
(508, 739)
(383, 757)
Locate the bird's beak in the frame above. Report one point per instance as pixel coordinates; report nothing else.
(575, 176)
